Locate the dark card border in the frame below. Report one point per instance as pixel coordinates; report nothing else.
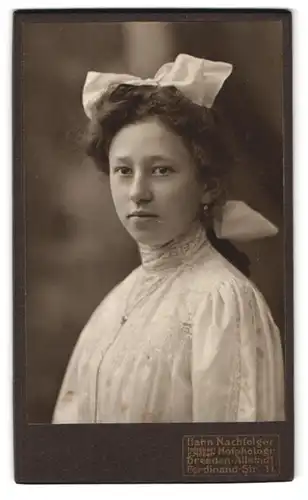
(132, 453)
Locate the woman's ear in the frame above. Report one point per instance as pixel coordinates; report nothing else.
(210, 192)
(206, 198)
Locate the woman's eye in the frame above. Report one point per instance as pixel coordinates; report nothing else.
(162, 170)
(123, 170)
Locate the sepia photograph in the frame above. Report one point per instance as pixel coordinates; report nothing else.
(154, 236)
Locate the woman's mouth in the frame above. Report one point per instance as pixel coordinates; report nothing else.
(142, 215)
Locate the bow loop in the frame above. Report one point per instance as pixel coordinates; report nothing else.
(238, 222)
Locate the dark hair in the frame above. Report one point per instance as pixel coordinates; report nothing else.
(199, 127)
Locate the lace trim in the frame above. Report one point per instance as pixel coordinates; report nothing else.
(175, 252)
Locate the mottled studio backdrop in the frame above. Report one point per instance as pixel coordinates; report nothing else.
(76, 250)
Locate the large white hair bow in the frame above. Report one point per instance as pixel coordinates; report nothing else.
(200, 80)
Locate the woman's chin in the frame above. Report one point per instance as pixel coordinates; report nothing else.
(149, 240)
(148, 237)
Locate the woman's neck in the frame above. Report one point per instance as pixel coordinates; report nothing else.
(175, 252)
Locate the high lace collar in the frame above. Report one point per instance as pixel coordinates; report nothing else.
(175, 252)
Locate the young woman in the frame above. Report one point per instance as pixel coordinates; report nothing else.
(186, 337)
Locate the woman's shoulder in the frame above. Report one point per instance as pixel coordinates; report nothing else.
(221, 291)
(110, 303)
(214, 275)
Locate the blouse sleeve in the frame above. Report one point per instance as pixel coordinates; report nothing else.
(75, 401)
(68, 408)
(237, 364)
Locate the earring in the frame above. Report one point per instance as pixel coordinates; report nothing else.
(205, 210)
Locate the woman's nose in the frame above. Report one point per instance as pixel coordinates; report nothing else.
(140, 189)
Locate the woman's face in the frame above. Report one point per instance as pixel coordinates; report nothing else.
(154, 182)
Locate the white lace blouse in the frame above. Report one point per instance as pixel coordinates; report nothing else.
(184, 338)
